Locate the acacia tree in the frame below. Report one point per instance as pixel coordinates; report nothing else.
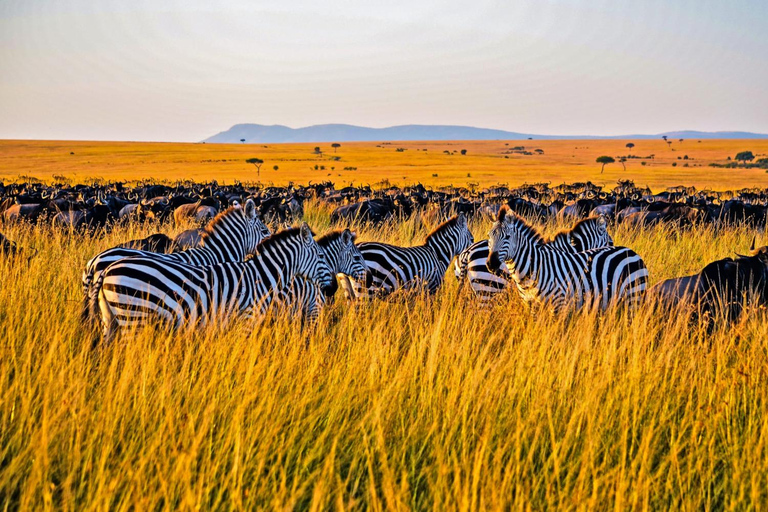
(604, 160)
(256, 162)
(335, 145)
(242, 140)
(317, 150)
(630, 145)
(623, 161)
(744, 156)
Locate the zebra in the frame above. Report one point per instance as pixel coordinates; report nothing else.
(134, 291)
(231, 236)
(303, 297)
(542, 273)
(391, 267)
(471, 264)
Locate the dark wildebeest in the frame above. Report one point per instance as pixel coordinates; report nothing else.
(189, 239)
(158, 242)
(7, 247)
(723, 287)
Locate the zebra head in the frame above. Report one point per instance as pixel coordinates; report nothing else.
(590, 233)
(343, 256)
(311, 260)
(255, 227)
(508, 236)
(235, 232)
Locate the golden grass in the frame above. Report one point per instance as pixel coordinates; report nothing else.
(485, 162)
(410, 404)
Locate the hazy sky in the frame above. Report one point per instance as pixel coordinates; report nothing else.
(181, 71)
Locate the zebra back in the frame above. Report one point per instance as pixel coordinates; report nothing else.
(231, 236)
(137, 290)
(391, 267)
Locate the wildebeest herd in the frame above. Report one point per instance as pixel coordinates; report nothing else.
(235, 266)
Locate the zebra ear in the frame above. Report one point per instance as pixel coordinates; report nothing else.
(602, 222)
(346, 236)
(250, 209)
(462, 219)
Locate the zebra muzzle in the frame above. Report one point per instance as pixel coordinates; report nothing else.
(494, 263)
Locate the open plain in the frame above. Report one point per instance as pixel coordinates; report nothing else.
(654, 163)
(412, 402)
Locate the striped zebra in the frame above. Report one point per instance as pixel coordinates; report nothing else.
(422, 267)
(135, 291)
(542, 273)
(231, 236)
(304, 297)
(471, 265)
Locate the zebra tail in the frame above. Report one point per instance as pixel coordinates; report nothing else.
(91, 313)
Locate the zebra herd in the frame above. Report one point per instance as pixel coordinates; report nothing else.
(241, 271)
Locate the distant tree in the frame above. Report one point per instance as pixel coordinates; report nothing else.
(680, 141)
(623, 161)
(463, 151)
(317, 150)
(257, 162)
(664, 137)
(744, 156)
(242, 140)
(276, 168)
(669, 143)
(335, 146)
(630, 145)
(604, 160)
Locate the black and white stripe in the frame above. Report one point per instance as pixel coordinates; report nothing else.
(134, 291)
(595, 278)
(231, 236)
(391, 267)
(471, 265)
(304, 297)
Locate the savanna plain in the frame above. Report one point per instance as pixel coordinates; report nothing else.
(413, 402)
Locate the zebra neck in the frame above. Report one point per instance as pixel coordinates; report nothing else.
(224, 250)
(332, 258)
(281, 265)
(443, 249)
(526, 257)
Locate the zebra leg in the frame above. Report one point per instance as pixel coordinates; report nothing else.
(109, 322)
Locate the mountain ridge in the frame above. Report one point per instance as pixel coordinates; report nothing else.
(259, 133)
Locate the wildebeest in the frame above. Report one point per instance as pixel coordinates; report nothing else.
(189, 239)
(723, 288)
(158, 242)
(8, 247)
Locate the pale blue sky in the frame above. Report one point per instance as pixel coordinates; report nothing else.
(181, 71)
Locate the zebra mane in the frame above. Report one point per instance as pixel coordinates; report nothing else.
(443, 227)
(573, 228)
(277, 238)
(521, 223)
(330, 237)
(210, 228)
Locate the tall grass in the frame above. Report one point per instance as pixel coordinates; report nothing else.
(411, 403)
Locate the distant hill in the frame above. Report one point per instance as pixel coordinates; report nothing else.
(258, 133)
